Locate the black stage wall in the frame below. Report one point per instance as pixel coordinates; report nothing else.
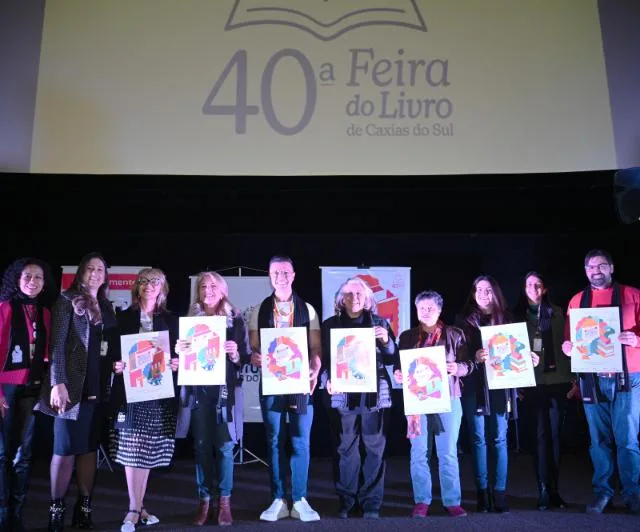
(447, 229)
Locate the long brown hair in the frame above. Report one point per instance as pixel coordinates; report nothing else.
(84, 301)
(499, 312)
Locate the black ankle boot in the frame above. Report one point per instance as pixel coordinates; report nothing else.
(56, 515)
(82, 513)
(543, 499)
(556, 500)
(484, 501)
(500, 502)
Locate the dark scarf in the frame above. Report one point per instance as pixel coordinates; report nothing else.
(544, 315)
(588, 388)
(300, 319)
(19, 339)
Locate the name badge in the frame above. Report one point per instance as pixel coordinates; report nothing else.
(104, 347)
(16, 355)
(537, 344)
(32, 351)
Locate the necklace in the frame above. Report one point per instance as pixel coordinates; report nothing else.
(282, 316)
(32, 317)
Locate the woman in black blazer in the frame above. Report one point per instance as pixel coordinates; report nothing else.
(143, 435)
(83, 322)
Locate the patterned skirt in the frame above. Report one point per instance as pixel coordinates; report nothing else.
(148, 441)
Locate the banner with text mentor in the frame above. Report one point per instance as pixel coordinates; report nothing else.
(121, 281)
(321, 86)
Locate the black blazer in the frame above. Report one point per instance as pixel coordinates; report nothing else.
(68, 354)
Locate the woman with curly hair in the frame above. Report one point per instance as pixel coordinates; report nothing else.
(83, 322)
(360, 479)
(143, 437)
(25, 327)
(215, 409)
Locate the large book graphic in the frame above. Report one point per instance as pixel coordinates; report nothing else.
(326, 19)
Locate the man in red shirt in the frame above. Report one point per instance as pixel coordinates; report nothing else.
(612, 400)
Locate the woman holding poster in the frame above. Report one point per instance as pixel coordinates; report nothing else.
(544, 405)
(25, 329)
(445, 426)
(213, 411)
(82, 327)
(486, 306)
(360, 414)
(143, 436)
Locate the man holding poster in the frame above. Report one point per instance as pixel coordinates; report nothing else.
(284, 308)
(612, 400)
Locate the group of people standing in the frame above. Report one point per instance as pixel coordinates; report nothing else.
(66, 363)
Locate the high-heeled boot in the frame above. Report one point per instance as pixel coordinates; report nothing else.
(82, 513)
(56, 515)
(224, 511)
(204, 513)
(543, 498)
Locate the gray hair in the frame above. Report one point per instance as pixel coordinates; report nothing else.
(430, 294)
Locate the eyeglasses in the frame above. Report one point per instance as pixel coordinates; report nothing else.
(153, 282)
(602, 267)
(286, 275)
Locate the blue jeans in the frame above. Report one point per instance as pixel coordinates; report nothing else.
(209, 437)
(274, 411)
(613, 426)
(447, 450)
(497, 424)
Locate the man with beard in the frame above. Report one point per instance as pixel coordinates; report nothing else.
(612, 400)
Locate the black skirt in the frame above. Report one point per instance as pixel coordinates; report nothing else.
(81, 436)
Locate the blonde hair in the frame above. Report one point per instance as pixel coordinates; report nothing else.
(369, 302)
(224, 306)
(161, 300)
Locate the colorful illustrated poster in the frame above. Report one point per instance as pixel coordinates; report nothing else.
(509, 364)
(425, 384)
(285, 361)
(147, 373)
(594, 334)
(353, 360)
(205, 362)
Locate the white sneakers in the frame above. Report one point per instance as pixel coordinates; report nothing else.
(302, 510)
(279, 510)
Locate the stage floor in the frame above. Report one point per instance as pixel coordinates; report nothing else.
(172, 497)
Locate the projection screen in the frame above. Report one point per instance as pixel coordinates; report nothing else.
(302, 87)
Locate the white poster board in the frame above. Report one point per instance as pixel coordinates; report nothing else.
(147, 371)
(246, 292)
(353, 360)
(285, 361)
(425, 383)
(594, 334)
(391, 286)
(121, 281)
(204, 363)
(509, 364)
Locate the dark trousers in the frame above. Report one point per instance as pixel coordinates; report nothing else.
(15, 449)
(545, 409)
(360, 480)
